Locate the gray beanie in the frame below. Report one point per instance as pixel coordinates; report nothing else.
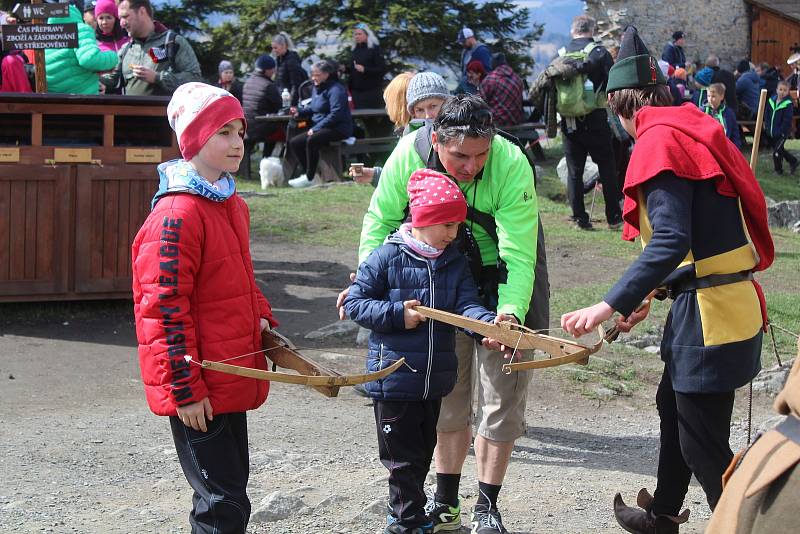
(225, 65)
(425, 85)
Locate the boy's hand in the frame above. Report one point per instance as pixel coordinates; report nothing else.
(625, 324)
(342, 296)
(412, 317)
(265, 325)
(493, 344)
(194, 415)
(583, 321)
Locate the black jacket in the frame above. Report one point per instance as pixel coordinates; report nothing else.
(727, 78)
(259, 97)
(290, 74)
(374, 68)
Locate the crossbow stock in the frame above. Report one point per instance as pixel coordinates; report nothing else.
(282, 352)
(520, 337)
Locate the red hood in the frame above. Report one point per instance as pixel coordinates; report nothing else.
(691, 144)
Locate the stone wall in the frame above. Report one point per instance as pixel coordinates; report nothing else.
(720, 27)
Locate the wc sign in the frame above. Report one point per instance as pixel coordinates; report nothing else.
(40, 11)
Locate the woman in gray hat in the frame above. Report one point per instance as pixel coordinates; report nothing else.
(426, 93)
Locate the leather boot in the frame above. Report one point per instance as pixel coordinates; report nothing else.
(642, 520)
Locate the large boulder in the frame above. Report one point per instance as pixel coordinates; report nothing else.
(784, 214)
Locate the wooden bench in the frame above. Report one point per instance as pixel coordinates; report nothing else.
(525, 131)
(749, 127)
(332, 159)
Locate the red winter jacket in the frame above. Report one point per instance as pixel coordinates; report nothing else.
(194, 294)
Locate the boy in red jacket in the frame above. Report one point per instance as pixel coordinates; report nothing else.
(195, 298)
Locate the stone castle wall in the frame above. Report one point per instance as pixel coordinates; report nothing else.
(720, 27)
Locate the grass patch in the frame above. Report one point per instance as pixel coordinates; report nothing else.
(777, 187)
(318, 216)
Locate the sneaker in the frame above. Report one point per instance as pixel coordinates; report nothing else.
(486, 521)
(395, 528)
(443, 516)
(583, 225)
(615, 225)
(300, 181)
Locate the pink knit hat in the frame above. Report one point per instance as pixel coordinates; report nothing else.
(197, 111)
(433, 198)
(109, 7)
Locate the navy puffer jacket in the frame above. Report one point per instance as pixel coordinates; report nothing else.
(329, 108)
(391, 274)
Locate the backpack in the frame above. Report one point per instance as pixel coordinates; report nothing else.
(577, 97)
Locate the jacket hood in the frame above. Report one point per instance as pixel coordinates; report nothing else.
(691, 144)
(74, 16)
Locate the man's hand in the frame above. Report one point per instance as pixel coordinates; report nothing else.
(310, 132)
(194, 415)
(101, 88)
(359, 68)
(412, 317)
(144, 73)
(265, 325)
(585, 320)
(625, 324)
(364, 177)
(293, 111)
(342, 296)
(493, 344)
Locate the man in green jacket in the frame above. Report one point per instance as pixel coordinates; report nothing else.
(75, 70)
(157, 60)
(497, 181)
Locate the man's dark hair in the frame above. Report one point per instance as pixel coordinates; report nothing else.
(463, 116)
(136, 4)
(583, 24)
(626, 102)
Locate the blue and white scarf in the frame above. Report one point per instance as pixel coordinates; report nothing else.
(178, 176)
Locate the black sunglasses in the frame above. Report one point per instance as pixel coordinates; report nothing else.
(480, 118)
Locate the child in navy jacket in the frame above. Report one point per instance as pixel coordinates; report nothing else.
(417, 265)
(715, 106)
(778, 127)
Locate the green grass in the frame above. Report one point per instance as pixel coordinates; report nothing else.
(317, 216)
(775, 186)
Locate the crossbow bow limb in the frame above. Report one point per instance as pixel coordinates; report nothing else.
(282, 352)
(520, 337)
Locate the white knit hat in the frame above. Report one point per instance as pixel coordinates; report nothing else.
(197, 111)
(425, 85)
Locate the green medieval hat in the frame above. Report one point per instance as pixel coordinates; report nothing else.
(635, 67)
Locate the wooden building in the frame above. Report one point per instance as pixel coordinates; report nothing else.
(76, 177)
(775, 31)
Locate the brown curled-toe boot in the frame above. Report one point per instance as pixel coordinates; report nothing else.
(642, 520)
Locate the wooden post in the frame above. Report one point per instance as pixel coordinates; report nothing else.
(762, 101)
(38, 60)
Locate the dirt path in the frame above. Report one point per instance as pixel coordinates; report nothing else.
(80, 452)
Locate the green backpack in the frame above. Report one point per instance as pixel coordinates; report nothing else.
(577, 97)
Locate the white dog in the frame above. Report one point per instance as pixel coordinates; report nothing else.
(271, 171)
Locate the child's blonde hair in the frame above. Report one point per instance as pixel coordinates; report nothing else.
(395, 97)
(718, 88)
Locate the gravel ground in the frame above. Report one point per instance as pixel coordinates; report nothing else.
(80, 451)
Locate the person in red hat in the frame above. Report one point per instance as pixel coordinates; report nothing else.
(195, 298)
(418, 265)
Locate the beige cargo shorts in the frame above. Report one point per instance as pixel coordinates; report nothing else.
(484, 395)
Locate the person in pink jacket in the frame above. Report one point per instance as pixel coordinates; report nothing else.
(110, 35)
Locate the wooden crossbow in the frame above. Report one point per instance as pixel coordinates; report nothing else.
(520, 337)
(282, 352)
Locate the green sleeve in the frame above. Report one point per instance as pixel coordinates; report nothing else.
(89, 55)
(387, 209)
(517, 218)
(186, 68)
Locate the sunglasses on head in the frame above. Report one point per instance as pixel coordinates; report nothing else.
(478, 118)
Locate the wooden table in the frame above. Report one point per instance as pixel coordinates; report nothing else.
(77, 174)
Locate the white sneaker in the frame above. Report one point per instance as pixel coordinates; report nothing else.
(300, 181)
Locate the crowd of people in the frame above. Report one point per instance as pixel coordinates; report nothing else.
(453, 223)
